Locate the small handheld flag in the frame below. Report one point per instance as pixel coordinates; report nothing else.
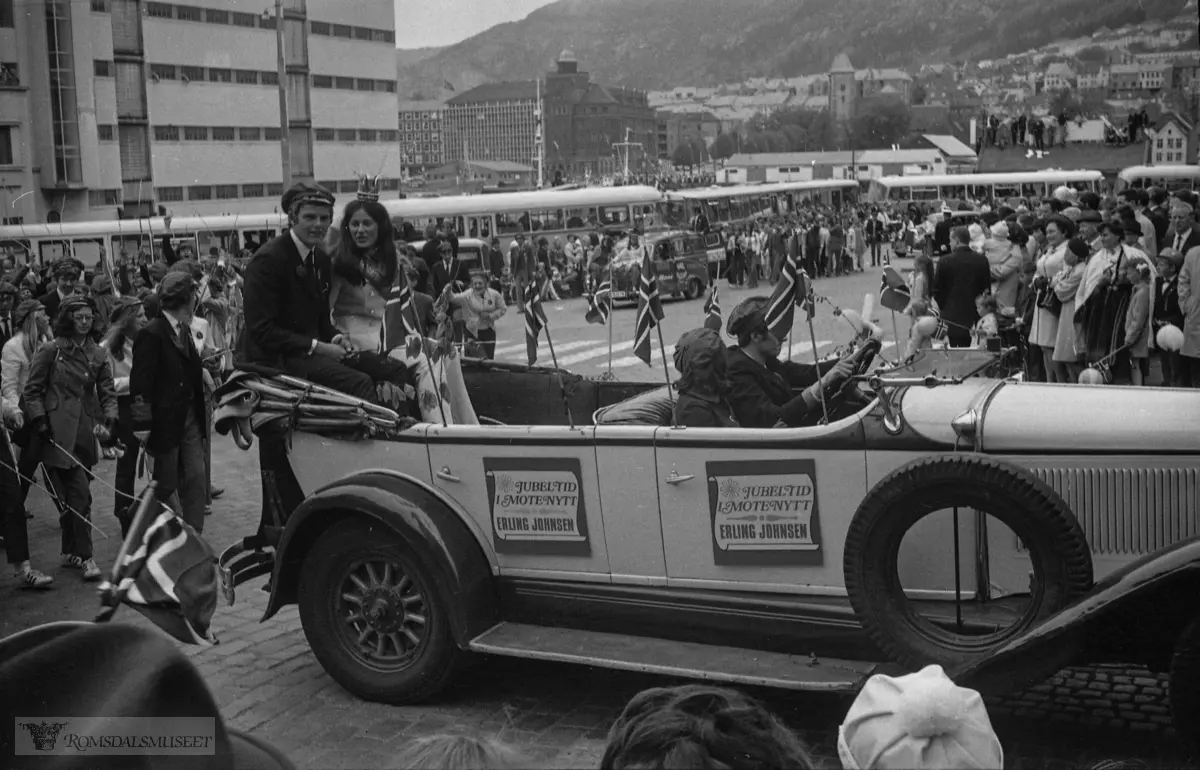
(535, 319)
(712, 310)
(650, 310)
(399, 315)
(792, 290)
(893, 292)
(599, 302)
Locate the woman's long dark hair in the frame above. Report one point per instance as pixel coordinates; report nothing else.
(118, 331)
(348, 256)
(64, 324)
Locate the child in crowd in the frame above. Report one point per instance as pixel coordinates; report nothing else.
(1137, 318)
(506, 286)
(986, 327)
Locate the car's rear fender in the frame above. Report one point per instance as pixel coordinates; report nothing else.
(439, 537)
(1160, 590)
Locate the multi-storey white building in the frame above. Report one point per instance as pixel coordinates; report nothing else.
(421, 135)
(126, 106)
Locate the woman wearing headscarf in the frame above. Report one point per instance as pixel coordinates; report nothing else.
(32, 327)
(128, 318)
(700, 360)
(71, 403)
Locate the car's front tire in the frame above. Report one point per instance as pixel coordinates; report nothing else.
(372, 615)
(1058, 551)
(694, 288)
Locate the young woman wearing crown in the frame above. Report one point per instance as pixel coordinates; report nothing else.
(366, 269)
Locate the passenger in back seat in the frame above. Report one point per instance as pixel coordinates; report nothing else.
(700, 359)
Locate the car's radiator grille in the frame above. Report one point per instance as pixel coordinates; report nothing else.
(1130, 511)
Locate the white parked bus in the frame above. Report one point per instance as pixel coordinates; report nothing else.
(91, 242)
(740, 203)
(1170, 178)
(957, 188)
(535, 213)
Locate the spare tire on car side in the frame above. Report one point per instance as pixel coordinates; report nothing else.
(1058, 550)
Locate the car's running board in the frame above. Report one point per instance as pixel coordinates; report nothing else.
(680, 659)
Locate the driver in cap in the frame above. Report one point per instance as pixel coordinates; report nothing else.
(760, 385)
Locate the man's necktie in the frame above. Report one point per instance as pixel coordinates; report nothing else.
(1179, 242)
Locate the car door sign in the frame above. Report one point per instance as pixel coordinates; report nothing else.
(537, 505)
(764, 512)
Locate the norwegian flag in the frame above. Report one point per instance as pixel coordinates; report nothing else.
(168, 574)
(535, 319)
(712, 310)
(599, 303)
(650, 310)
(399, 315)
(792, 290)
(893, 293)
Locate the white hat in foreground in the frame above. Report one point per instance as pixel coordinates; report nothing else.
(920, 720)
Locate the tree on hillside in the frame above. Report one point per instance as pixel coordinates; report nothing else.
(919, 93)
(724, 146)
(880, 123)
(1093, 53)
(822, 133)
(683, 157)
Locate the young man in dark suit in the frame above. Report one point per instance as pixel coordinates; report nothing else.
(286, 301)
(961, 276)
(166, 385)
(67, 272)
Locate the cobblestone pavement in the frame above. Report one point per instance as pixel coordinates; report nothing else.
(268, 682)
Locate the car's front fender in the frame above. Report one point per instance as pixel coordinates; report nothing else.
(1164, 585)
(439, 539)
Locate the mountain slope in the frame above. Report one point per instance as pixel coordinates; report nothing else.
(660, 43)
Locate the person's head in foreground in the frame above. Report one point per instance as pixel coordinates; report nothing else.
(920, 720)
(460, 752)
(698, 727)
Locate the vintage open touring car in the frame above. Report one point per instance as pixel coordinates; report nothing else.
(1001, 529)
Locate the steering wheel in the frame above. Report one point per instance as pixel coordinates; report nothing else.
(848, 391)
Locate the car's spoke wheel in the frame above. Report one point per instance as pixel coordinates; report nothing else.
(1059, 555)
(372, 616)
(694, 288)
(1185, 686)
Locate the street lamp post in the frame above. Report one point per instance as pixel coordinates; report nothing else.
(285, 146)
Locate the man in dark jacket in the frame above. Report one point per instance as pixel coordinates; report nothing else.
(761, 386)
(1167, 310)
(166, 384)
(961, 276)
(67, 272)
(941, 233)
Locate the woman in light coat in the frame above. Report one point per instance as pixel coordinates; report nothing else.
(482, 307)
(1189, 302)
(1044, 330)
(1067, 357)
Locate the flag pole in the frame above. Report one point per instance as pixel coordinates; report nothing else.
(896, 334)
(562, 387)
(816, 358)
(611, 288)
(425, 349)
(111, 593)
(666, 370)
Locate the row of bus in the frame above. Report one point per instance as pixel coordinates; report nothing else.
(559, 213)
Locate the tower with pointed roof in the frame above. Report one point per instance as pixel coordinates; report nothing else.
(842, 88)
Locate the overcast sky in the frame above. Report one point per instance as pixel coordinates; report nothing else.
(421, 23)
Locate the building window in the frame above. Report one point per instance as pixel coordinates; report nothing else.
(102, 68)
(348, 185)
(243, 19)
(170, 194)
(319, 27)
(104, 198)
(341, 30)
(328, 185)
(106, 133)
(188, 13)
(9, 78)
(213, 16)
(100, 6)
(364, 84)
(195, 133)
(345, 84)
(274, 188)
(6, 144)
(7, 16)
(346, 134)
(219, 75)
(200, 193)
(269, 78)
(389, 136)
(226, 192)
(386, 85)
(324, 134)
(266, 22)
(246, 77)
(250, 134)
(391, 184)
(366, 134)
(163, 72)
(253, 190)
(166, 133)
(362, 33)
(322, 81)
(271, 134)
(160, 10)
(191, 73)
(224, 133)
